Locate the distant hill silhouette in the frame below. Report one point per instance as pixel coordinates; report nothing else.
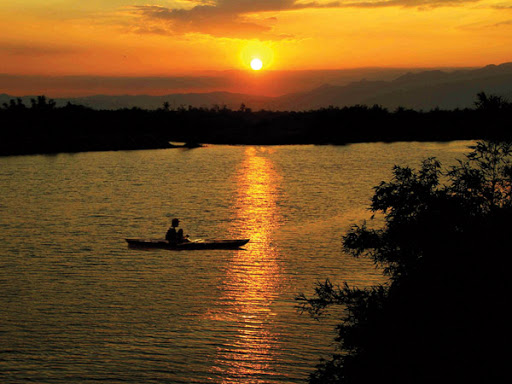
(198, 100)
(268, 83)
(419, 90)
(423, 90)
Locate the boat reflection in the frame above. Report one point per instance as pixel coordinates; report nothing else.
(253, 278)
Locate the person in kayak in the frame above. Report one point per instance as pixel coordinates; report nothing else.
(174, 237)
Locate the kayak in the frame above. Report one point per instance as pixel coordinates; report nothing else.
(189, 245)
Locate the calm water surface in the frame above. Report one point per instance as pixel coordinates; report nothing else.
(78, 306)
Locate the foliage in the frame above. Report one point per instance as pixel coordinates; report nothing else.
(46, 127)
(442, 315)
(491, 103)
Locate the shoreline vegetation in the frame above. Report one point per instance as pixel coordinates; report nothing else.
(441, 315)
(44, 128)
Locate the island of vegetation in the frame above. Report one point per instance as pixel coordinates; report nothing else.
(44, 128)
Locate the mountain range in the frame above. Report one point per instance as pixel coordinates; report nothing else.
(424, 90)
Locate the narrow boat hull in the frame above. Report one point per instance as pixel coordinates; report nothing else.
(190, 245)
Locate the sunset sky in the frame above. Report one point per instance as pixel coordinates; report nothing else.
(180, 37)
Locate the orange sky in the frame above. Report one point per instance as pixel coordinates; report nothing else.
(176, 37)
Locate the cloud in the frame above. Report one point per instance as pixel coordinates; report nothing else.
(16, 49)
(482, 26)
(424, 4)
(93, 85)
(205, 19)
(229, 18)
(502, 6)
(503, 23)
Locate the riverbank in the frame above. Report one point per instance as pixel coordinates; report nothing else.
(43, 128)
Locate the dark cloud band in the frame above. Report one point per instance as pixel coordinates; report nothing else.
(228, 18)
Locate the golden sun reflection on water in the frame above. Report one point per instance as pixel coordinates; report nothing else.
(253, 278)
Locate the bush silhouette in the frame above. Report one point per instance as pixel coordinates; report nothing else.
(442, 314)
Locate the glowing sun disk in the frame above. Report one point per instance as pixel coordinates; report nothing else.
(256, 64)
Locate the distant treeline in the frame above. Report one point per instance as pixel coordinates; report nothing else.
(44, 128)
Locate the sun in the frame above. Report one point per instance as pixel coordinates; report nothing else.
(256, 55)
(256, 64)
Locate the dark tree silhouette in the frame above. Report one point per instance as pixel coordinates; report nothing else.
(442, 315)
(15, 105)
(48, 128)
(491, 102)
(42, 103)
